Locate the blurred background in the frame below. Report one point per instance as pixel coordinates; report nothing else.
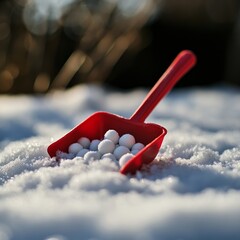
(56, 44)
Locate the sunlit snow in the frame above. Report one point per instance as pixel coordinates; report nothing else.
(190, 191)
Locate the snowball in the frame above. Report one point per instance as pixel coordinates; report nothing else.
(125, 158)
(110, 156)
(94, 145)
(112, 135)
(127, 140)
(82, 152)
(106, 146)
(135, 151)
(138, 146)
(120, 150)
(74, 148)
(85, 142)
(92, 155)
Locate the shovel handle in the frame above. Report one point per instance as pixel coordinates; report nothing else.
(184, 61)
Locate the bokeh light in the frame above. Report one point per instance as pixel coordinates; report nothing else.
(61, 43)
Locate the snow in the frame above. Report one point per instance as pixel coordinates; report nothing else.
(190, 191)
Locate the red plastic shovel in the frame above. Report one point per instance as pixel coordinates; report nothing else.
(150, 134)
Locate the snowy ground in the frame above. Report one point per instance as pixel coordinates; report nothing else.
(190, 191)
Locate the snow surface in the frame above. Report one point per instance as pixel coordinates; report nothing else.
(190, 191)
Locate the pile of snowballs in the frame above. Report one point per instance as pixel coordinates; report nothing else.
(118, 148)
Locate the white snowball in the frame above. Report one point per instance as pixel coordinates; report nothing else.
(110, 156)
(120, 150)
(127, 140)
(112, 135)
(106, 146)
(94, 145)
(74, 148)
(138, 146)
(125, 158)
(135, 151)
(92, 155)
(85, 142)
(82, 152)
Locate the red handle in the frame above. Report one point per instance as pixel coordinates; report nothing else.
(184, 61)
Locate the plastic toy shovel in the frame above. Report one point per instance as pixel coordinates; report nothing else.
(150, 134)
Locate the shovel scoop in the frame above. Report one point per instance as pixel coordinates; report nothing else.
(150, 134)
